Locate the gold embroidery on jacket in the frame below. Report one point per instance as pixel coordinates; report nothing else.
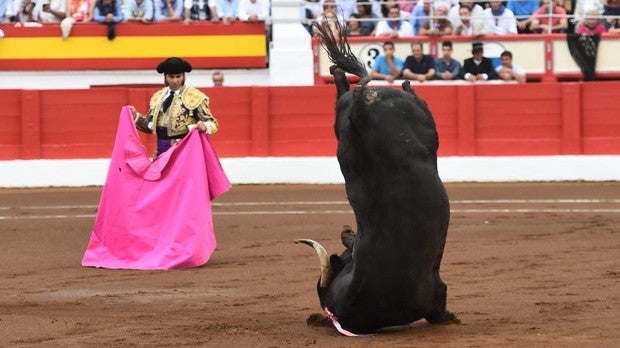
(188, 106)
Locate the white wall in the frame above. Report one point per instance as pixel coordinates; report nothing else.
(325, 170)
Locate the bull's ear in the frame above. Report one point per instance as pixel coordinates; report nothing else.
(336, 263)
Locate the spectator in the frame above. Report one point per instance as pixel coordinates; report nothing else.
(377, 7)
(330, 14)
(611, 8)
(368, 18)
(393, 26)
(6, 11)
(500, 19)
(543, 23)
(253, 10)
(439, 25)
(353, 26)
(386, 5)
(218, 79)
(108, 12)
(476, 13)
(562, 4)
(91, 11)
(227, 10)
(139, 11)
(614, 27)
(508, 71)
(387, 66)
(592, 24)
(478, 68)
(523, 11)
(168, 10)
(52, 11)
(447, 68)
(198, 10)
(346, 7)
(418, 66)
(406, 6)
(213, 8)
(79, 10)
(470, 25)
(581, 9)
(25, 11)
(311, 10)
(420, 14)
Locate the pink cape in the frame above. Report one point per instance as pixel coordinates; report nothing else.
(156, 215)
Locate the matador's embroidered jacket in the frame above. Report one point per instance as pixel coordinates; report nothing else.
(188, 106)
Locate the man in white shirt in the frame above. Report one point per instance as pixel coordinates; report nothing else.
(508, 71)
(253, 10)
(500, 19)
(476, 12)
(52, 11)
(468, 25)
(394, 26)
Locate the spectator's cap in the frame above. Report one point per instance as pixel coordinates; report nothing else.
(174, 65)
(476, 47)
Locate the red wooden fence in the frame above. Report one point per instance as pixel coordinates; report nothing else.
(473, 120)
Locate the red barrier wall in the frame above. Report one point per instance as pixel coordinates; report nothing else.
(472, 120)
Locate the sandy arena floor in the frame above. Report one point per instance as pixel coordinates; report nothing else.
(526, 265)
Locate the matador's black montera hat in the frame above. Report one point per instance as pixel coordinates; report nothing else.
(174, 65)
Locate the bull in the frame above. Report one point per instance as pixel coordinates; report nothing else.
(388, 274)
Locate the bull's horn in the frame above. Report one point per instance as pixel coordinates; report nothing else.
(326, 271)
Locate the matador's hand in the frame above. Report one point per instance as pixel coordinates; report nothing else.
(208, 127)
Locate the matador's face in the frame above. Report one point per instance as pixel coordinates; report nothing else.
(175, 81)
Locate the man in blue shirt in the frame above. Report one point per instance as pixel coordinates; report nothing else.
(168, 10)
(227, 10)
(387, 66)
(419, 15)
(446, 67)
(419, 66)
(6, 11)
(523, 10)
(108, 12)
(139, 11)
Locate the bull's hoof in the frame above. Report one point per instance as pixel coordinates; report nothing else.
(445, 318)
(347, 236)
(318, 320)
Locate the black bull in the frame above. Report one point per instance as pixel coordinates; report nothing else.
(387, 150)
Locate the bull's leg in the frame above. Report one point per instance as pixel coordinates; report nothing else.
(348, 237)
(440, 315)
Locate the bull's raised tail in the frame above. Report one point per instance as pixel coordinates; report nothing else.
(334, 41)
